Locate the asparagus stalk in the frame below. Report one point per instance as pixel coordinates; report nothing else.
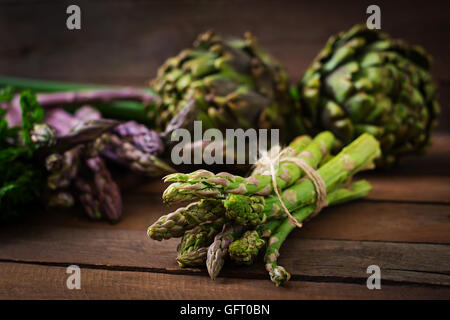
(119, 150)
(130, 144)
(185, 218)
(98, 96)
(125, 110)
(63, 168)
(218, 250)
(43, 135)
(144, 139)
(62, 154)
(193, 247)
(175, 224)
(84, 133)
(204, 184)
(100, 196)
(61, 199)
(107, 189)
(277, 273)
(63, 122)
(246, 249)
(132, 135)
(256, 210)
(38, 85)
(88, 198)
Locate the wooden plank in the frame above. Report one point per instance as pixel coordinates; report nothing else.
(409, 188)
(416, 178)
(419, 263)
(360, 220)
(133, 38)
(381, 222)
(24, 281)
(433, 162)
(399, 262)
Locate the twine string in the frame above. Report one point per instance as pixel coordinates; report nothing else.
(310, 172)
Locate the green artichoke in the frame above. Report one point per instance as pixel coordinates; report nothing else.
(234, 83)
(364, 81)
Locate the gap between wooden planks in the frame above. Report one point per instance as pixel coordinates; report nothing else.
(410, 202)
(360, 220)
(376, 222)
(339, 260)
(24, 281)
(367, 228)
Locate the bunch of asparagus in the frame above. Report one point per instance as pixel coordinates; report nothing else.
(234, 216)
(130, 144)
(71, 149)
(81, 172)
(38, 163)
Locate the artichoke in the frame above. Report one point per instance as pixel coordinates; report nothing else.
(234, 83)
(364, 81)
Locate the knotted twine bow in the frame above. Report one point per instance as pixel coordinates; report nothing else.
(310, 172)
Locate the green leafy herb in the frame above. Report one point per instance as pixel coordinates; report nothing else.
(21, 180)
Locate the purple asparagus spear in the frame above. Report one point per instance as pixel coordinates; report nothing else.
(218, 250)
(68, 98)
(108, 191)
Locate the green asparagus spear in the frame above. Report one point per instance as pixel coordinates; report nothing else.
(183, 219)
(193, 247)
(204, 184)
(256, 210)
(246, 249)
(277, 273)
(175, 224)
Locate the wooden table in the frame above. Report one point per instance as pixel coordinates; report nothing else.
(403, 226)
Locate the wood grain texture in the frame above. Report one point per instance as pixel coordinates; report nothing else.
(360, 220)
(337, 246)
(24, 281)
(400, 262)
(403, 225)
(418, 188)
(135, 37)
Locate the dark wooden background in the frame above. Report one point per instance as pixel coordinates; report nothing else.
(124, 41)
(403, 226)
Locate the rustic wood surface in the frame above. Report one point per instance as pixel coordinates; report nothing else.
(403, 226)
(405, 232)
